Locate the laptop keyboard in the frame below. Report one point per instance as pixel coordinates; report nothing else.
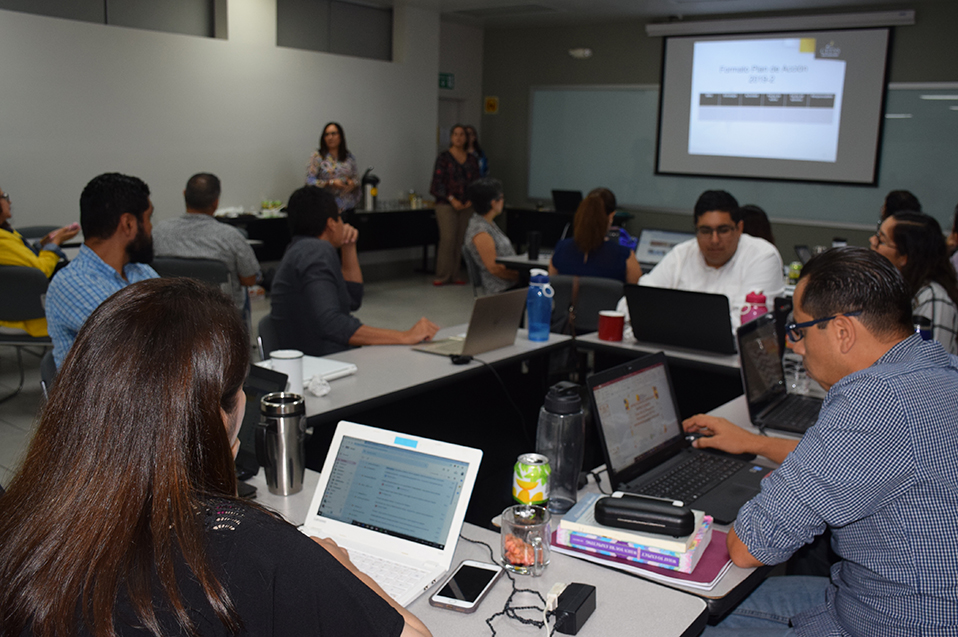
(794, 415)
(690, 479)
(393, 577)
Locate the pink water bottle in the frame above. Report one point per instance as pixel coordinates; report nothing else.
(754, 306)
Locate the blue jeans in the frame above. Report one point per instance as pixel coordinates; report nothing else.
(767, 611)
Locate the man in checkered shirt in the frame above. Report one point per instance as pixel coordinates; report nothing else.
(878, 469)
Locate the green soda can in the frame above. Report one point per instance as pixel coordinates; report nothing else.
(530, 479)
(794, 272)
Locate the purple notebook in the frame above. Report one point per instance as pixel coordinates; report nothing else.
(713, 564)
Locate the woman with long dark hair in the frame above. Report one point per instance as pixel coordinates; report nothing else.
(455, 169)
(588, 252)
(334, 168)
(123, 518)
(474, 149)
(913, 242)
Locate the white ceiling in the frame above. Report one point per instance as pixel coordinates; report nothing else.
(544, 12)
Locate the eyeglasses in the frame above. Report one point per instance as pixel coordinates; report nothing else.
(795, 332)
(706, 231)
(331, 133)
(6, 196)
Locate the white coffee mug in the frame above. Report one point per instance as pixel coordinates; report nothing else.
(289, 362)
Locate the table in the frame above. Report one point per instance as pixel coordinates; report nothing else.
(412, 392)
(378, 230)
(624, 604)
(400, 228)
(523, 263)
(272, 232)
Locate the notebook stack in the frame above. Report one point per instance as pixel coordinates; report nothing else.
(683, 560)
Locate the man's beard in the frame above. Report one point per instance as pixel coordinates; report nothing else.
(140, 250)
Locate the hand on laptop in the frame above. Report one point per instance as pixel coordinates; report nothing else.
(719, 433)
(423, 330)
(414, 626)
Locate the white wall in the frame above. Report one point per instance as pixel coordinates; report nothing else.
(79, 99)
(460, 52)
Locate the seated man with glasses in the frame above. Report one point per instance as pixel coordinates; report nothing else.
(721, 259)
(315, 290)
(877, 469)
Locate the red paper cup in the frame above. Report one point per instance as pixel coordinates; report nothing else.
(610, 325)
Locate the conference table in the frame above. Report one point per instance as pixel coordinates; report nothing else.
(624, 604)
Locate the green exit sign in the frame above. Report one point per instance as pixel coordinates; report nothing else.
(447, 80)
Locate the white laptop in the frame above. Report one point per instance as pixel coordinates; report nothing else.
(396, 502)
(326, 368)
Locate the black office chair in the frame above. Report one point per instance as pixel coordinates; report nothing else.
(267, 338)
(21, 299)
(595, 294)
(48, 372)
(207, 270)
(475, 274)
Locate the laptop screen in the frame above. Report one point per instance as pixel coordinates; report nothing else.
(761, 360)
(394, 491)
(637, 415)
(655, 244)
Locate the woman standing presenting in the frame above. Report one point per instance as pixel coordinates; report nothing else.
(333, 167)
(455, 170)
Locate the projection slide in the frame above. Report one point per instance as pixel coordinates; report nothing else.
(774, 99)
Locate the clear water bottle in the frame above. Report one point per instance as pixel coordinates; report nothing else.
(754, 306)
(539, 305)
(560, 437)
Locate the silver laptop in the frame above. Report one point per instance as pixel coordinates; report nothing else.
(494, 323)
(396, 502)
(654, 244)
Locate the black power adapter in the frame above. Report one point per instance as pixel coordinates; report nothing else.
(576, 605)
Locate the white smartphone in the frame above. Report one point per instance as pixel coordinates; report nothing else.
(467, 586)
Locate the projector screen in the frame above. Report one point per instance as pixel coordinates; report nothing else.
(803, 106)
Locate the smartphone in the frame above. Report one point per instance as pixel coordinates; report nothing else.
(467, 586)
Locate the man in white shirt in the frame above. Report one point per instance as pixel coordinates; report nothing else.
(721, 259)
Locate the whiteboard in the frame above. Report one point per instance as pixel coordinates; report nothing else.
(588, 136)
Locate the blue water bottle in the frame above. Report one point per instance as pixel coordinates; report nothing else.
(539, 305)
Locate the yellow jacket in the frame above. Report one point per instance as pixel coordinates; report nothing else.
(14, 252)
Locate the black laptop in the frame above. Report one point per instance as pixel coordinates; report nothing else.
(770, 406)
(694, 320)
(646, 450)
(566, 200)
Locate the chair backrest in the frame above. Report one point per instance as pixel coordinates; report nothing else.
(22, 293)
(267, 338)
(36, 232)
(48, 372)
(475, 275)
(595, 294)
(207, 270)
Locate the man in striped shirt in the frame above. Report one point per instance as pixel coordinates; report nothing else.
(115, 213)
(878, 468)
